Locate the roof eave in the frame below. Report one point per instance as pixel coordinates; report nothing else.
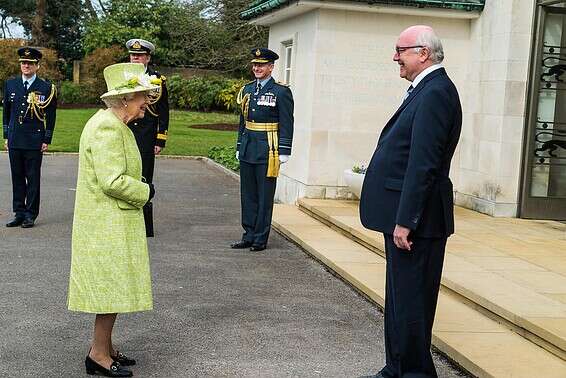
(259, 8)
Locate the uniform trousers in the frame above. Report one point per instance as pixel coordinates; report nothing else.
(257, 192)
(411, 293)
(148, 164)
(25, 166)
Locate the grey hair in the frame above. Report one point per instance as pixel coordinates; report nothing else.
(116, 101)
(430, 40)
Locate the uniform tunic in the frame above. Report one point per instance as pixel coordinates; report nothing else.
(110, 263)
(151, 131)
(273, 103)
(26, 128)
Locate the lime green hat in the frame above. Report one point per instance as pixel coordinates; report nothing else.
(125, 78)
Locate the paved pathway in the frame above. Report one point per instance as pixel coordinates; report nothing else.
(217, 312)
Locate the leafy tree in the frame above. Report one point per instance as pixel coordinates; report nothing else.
(200, 33)
(227, 39)
(125, 19)
(54, 24)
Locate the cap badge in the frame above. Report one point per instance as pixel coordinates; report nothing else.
(27, 52)
(257, 52)
(136, 45)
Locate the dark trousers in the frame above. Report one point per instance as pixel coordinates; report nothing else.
(256, 192)
(411, 294)
(25, 166)
(148, 164)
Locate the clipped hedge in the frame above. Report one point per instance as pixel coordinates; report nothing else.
(204, 93)
(225, 156)
(71, 93)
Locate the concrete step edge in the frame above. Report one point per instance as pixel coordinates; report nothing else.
(522, 326)
(474, 367)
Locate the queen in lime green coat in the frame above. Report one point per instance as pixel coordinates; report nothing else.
(110, 271)
(110, 262)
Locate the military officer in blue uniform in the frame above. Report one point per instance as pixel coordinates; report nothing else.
(265, 138)
(151, 130)
(29, 105)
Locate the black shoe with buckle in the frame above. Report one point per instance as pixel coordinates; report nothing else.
(257, 247)
(93, 368)
(123, 359)
(17, 221)
(242, 244)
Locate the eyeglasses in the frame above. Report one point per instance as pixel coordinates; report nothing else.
(400, 49)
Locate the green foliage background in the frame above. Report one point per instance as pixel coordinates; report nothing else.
(183, 140)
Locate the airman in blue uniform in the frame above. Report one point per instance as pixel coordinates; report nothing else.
(265, 139)
(29, 105)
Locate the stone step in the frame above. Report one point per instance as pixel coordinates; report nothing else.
(495, 278)
(478, 343)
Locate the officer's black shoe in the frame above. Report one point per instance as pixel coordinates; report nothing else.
(257, 247)
(17, 221)
(28, 223)
(241, 244)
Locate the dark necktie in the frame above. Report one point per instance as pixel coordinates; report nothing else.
(257, 87)
(409, 90)
(26, 85)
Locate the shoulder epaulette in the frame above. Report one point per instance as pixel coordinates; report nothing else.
(163, 78)
(283, 84)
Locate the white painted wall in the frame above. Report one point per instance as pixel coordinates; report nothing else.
(346, 86)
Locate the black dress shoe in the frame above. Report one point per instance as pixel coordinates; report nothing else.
(123, 359)
(257, 248)
(378, 375)
(17, 221)
(28, 223)
(241, 244)
(93, 368)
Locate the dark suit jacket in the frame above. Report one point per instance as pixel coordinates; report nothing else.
(152, 129)
(273, 104)
(407, 182)
(21, 126)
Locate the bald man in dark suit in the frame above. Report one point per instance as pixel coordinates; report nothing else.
(408, 196)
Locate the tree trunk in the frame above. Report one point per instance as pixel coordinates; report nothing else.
(39, 38)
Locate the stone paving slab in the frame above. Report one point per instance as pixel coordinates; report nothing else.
(512, 267)
(480, 344)
(218, 312)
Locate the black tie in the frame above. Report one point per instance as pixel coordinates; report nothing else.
(408, 93)
(26, 85)
(258, 87)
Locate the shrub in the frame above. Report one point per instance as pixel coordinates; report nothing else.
(204, 93)
(92, 80)
(225, 156)
(177, 89)
(71, 93)
(226, 98)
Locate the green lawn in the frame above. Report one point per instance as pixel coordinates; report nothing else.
(182, 140)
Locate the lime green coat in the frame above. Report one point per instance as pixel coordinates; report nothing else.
(110, 263)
